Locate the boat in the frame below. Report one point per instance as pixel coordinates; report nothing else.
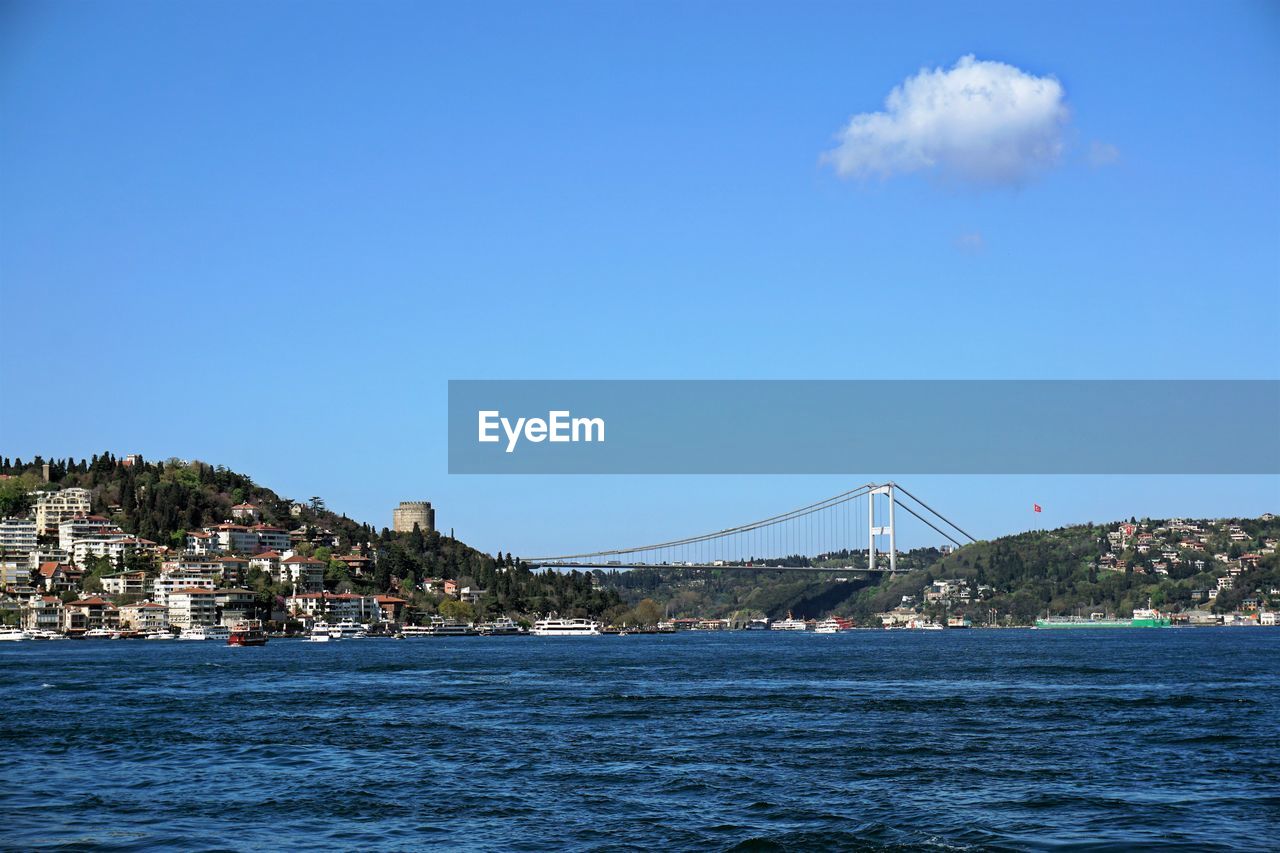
(565, 628)
(1143, 617)
(45, 634)
(789, 624)
(247, 633)
(205, 632)
(503, 627)
(99, 634)
(348, 630)
(442, 627)
(758, 625)
(415, 631)
(322, 632)
(14, 635)
(158, 634)
(959, 622)
(928, 626)
(833, 625)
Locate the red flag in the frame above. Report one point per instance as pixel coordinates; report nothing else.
(1037, 507)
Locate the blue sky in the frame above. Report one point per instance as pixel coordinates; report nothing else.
(266, 235)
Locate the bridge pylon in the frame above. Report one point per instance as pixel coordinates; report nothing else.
(875, 530)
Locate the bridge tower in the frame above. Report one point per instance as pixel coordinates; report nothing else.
(874, 530)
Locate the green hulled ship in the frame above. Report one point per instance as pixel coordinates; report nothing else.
(1143, 617)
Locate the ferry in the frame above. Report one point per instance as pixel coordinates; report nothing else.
(789, 624)
(833, 625)
(415, 631)
(321, 632)
(565, 628)
(1143, 617)
(441, 627)
(247, 633)
(503, 627)
(205, 632)
(13, 635)
(348, 630)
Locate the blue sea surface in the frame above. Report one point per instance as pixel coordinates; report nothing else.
(1010, 739)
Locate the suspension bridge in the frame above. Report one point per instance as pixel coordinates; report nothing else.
(837, 532)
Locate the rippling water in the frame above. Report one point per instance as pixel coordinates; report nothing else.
(749, 740)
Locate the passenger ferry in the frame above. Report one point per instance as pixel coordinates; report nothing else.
(247, 633)
(441, 627)
(566, 628)
(789, 624)
(348, 630)
(833, 625)
(205, 632)
(503, 627)
(415, 631)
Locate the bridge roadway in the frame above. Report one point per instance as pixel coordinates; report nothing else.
(749, 568)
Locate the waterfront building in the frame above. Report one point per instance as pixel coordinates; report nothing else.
(235, 605)
(391, 608)
(409, 513)
(53, 508)
(17, 535)
(192, 606)
(144, 616)
(88, 613)
(42, 613)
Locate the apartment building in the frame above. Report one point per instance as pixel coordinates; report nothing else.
(53, 508)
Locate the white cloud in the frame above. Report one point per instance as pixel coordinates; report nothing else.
(971, 243)
(1103, 154)
(979, 122)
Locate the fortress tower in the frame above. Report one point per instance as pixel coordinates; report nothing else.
(410, 513)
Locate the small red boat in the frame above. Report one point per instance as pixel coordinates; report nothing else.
(248, 633)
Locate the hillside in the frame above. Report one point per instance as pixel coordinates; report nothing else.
(1179, 565)
(163, 501)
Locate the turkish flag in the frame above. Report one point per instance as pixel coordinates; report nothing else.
(1037, 507)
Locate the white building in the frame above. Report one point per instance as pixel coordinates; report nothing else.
(307, 573)
(144, 616)
(165, 585)
(193, 606)
(112, 546)
(17, 535)
(53, 508)
(80, 527)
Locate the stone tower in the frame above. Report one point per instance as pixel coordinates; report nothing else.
(410, 513)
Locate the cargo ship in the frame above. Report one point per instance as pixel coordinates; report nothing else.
(1143, 617)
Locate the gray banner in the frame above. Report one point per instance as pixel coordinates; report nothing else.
(858, 426)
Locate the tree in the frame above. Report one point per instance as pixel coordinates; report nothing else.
(461, 611)
(14, 498)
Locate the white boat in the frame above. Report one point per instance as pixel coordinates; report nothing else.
(503, 627)
(158, 634)
(833, 625)
(415, 631)
(45, 634)
(100, 634)
(441, 627)
(348, 630)
(565, 628)
(205, 632)
(322, 632)
(14, 635)
(789, 624)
